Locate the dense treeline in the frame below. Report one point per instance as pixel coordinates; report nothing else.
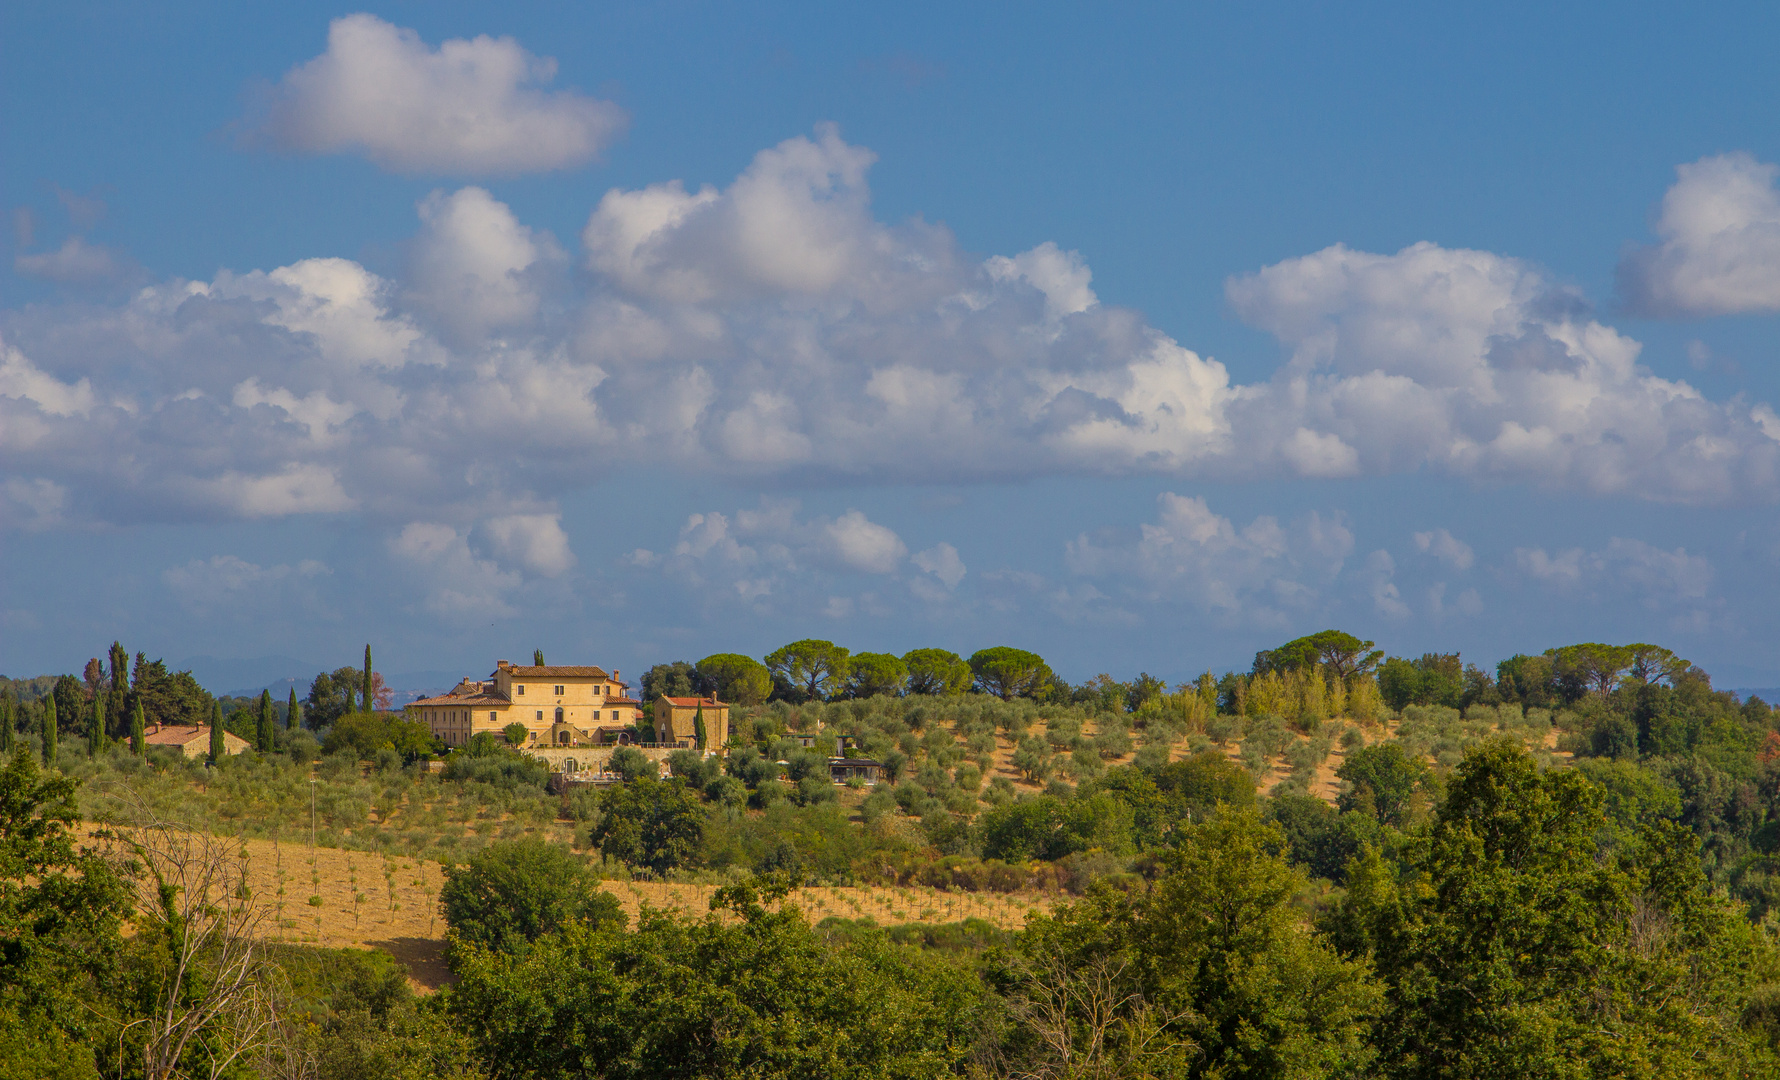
(1515, 930)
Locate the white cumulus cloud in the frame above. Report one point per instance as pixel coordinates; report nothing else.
(864, 545)
(226, 581)
(1662, 577)
(25, 382)
(1475, 364)
(454, 582)
(943, 562)
(468, 265)
(773, 557)
(75, 262)
(535, 542)
(476, 106)
(1446, 547)
(1193, 555)
(1720, 249)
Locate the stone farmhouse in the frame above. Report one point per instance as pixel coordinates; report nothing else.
(560, 706)
(676, 720)
(192, 740)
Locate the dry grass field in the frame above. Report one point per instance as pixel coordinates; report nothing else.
(392, 904)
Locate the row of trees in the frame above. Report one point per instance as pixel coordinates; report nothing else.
(817, 670)
(346, 690)
(1352, 677)
(113, 702)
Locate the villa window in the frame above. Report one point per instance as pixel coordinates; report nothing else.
(491, 717)
(519, 690)
(559, 716)
(559, 691)
(540, 714)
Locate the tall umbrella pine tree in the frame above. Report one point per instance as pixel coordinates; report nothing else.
(370, 702)
(49, 731)
(217, 747)
(262, 729)
(136, 727)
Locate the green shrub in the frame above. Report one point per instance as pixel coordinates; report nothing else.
(511, 893)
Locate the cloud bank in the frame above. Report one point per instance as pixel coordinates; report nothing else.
(775, 329)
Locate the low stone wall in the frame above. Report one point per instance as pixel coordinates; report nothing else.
(590, 758)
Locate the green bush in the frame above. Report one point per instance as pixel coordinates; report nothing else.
(654, 824)
(511, 893)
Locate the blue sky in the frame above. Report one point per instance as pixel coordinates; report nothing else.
(1143, 338)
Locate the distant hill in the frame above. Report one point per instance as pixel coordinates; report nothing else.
(414, 685)
(1769, 694)
(404, 688)
(280, 689)
(247, 677)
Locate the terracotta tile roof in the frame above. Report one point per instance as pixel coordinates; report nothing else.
(621, 701)
(694, 702)
(176, 735)
(519, 671)
(465, 699)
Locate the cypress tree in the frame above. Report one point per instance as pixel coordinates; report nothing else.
(96, 729)
(49, 731)
(118, 701)
(9, 708)
(217, 747)
(698, 728)
(292, 718)
(370, 702)
(537, 657)
(136, 726)
(262, 731)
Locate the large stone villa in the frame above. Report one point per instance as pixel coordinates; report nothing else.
(559, 706)
(575, 716)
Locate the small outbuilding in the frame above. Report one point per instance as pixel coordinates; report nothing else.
(677, 718)
(846, 769)
(193, 740)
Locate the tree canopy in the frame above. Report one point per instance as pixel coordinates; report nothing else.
(1380, 780)
(764, 995)
(811, 669)
(734, 678)
(674, 679)
(870, 674)
(511, 893)
(1509, 947)
(936, 671)
(655, 824)
(1009, 673)
(1338, 652)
